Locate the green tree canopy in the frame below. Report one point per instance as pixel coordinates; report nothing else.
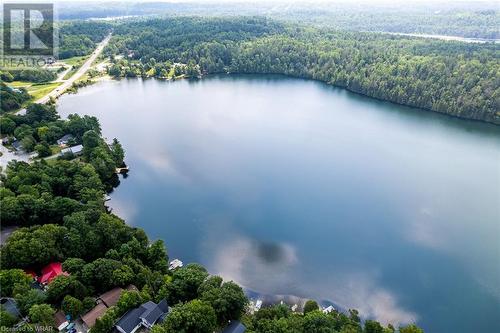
(310, 306)
(193, 317)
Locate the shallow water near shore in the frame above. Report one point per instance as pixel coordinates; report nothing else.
(294, 187)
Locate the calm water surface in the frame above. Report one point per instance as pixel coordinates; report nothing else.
(294, 187)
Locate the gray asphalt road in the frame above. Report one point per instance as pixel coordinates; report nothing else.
(67, 83)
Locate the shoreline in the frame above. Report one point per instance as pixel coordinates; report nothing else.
(110, 78)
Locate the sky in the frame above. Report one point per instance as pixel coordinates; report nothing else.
(268, 1)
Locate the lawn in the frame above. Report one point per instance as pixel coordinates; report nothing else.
(40, 90)
(75, 61)
(70, 73)
(19, 84)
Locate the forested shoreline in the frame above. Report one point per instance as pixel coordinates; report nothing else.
(454, 78)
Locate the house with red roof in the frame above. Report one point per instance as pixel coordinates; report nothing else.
(51, 271)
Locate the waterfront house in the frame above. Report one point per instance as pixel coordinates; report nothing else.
(176, 263)
(51, 271)
(235, 327)
(75, 150)
(145, 316)
(64, 140)
(328, 309)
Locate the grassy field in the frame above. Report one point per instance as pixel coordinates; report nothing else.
(75, 61)
(19, 84)
(40, 90)
(70, 73)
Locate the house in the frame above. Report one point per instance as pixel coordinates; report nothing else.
(75, 150)
(328, 309)
(9, 305)
(51, 271)
(146, 315)
(111, 297)
(60, 320)
(105, 301)
(65, 139)
(235, 327)
(17, 145)
(176, 263)
(90, 317)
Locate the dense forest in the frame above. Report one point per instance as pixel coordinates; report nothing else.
(478, 19)
(36, 75)
(459, 79)
(11, 99)
(78, 38)
(59, 208)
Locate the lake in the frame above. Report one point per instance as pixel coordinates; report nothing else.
(294, 187)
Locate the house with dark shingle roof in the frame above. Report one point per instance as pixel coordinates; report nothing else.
(9, 305)
(145, 315)
(235, 327)
(65, 139)
(17, 145)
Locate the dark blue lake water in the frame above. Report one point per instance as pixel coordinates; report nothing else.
(294, 187)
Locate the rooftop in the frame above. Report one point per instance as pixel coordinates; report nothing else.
(74, 150)
(110, 297)
(148, 314)
(64, 139)
(90, 317)
(235, 327)
(60, 319)
(51, 271)
(9, 305)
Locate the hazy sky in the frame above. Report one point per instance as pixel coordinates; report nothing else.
(267, 1)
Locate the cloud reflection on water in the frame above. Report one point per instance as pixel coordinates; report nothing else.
(274, 268)
(125, 209)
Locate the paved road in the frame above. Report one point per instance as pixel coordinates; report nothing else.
(69, 82)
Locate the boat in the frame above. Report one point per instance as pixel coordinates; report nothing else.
(122, 170)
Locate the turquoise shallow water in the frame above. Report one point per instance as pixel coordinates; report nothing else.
(294, 187)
